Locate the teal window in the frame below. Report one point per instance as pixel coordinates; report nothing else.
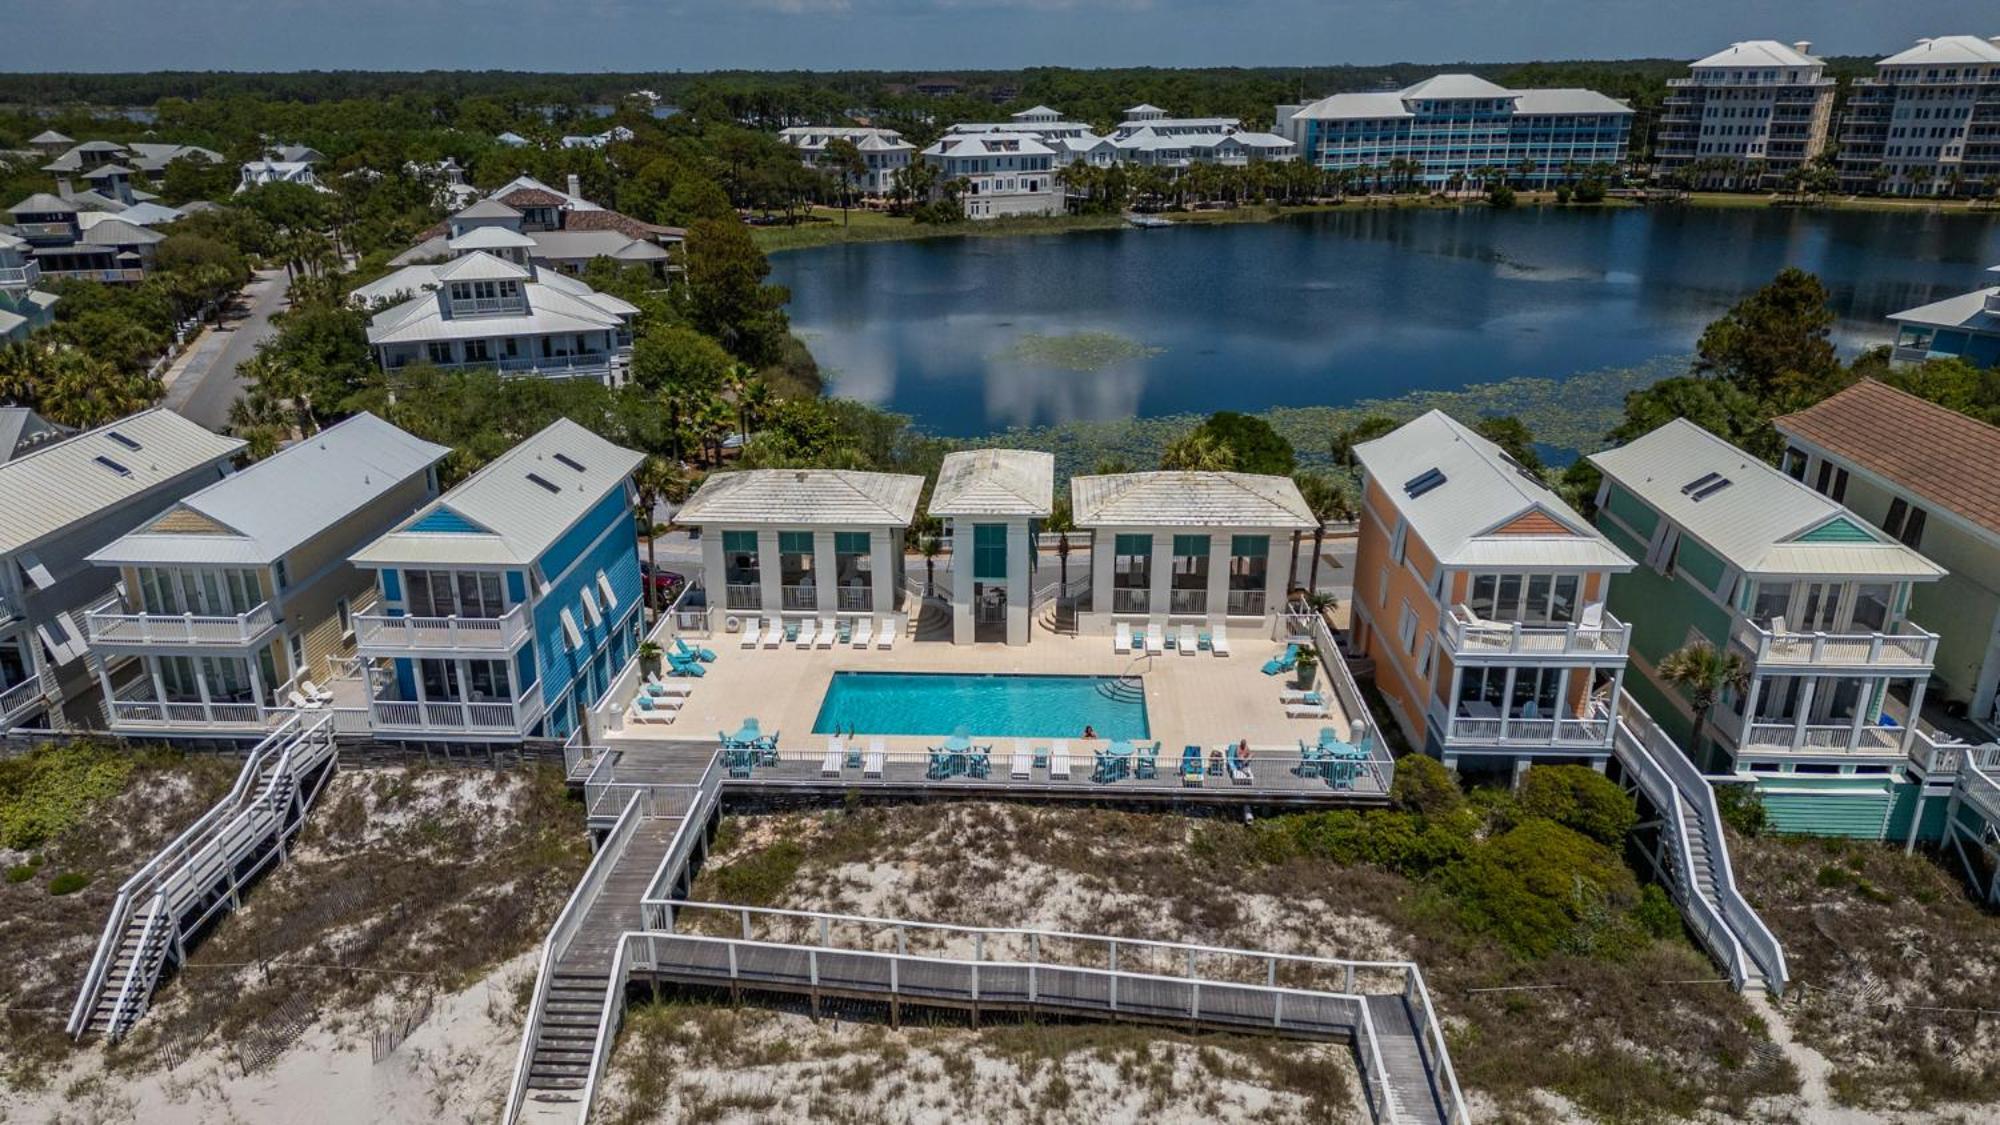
(795, 542)
(850, 542)
(989, 552)
(1249, 546)
(739, 542)
(1134, 545)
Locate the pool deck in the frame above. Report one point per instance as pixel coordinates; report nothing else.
(1203, 699)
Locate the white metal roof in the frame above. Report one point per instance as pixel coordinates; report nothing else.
(1176, 498)
(278, 504)
(1543, 102)
(805, 498)
(42, 203)
(555, 304)
(1483, 491)
(1756, 53)
(995, 482)
(481, 266)
(1456, 86)
(516, 516)
(1451, 86)
(487, 209)
(490, 238)
(62, 483)
(1946, 50)
(989, 144)
(1967, 310)
(1754, 521)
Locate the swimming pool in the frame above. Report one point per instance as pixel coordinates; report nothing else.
(990, 706)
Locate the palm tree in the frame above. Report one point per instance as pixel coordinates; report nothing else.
(1705, 673)
(656, 479)
(1326, 501)
(1196, 451)
(1062, 521)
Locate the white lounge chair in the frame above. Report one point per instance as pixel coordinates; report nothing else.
(1218, 642)
(774, 633)
(655, 712)
(1059, 761)
(828, 633)
(301, 702)
(1187, 640)
(1305, 711)
(807, 633)
(657, 687)
(864, 633)
(885, 637)
(752, 635)
(1293, 695)
(829, 766)
(1156, 640)
(315, 692)
(1237, 776)
(1024, 762)
(871, 766)
(1121, 638)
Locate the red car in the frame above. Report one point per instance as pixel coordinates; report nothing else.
(665, 583)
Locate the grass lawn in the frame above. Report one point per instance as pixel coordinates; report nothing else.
(824, 227)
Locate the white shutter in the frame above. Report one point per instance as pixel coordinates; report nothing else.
(36, 570)
(604, 587)
(570, 631)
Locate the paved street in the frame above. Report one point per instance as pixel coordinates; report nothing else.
(203, 384)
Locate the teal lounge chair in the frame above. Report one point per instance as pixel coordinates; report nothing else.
(1279, 665)
(704, 655)
(679, 667)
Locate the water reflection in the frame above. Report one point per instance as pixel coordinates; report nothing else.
(1333, 308)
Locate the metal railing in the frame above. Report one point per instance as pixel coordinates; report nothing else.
(195, 715)
(854, 599)
(799, 599)
(481, 306)
(1823, 738)
(1589, 731)
(742, 595)
(1248, 603)
(22, 696)
(1131, 599)
(1184, 601)
(498, 716)
(380, 632)
(1980, 788)
(1469, 635)
(1352, 703)
(20, 275)
(112, 276)
(108, 628)
(1910, 646)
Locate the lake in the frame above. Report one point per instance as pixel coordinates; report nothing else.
(973, 335)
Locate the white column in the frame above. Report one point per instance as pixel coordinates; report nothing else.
(826, 593)
(1276, 584)
(1805, 711)
(963, 626)
(1218, 578)
(1916, 710)
(1103, 543)
(1864, 701)
(883, 545)
(1020, 580)
(1507, 702)
(714, 573)
(769, 580)
(1159, 599)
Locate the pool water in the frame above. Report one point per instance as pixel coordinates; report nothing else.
(989, 706)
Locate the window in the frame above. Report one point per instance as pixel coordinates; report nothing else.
(278, 571)
(1406, 629)
(989, 552)
(295, 644)
(1871, 606)
(1795, 464)
(1424, 661)
(1773, 600)
(346, 615)
(571, 633)
(1906, 522)
(1399, 543)
(486, 681)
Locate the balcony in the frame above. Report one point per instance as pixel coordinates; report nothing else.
(1910, 648)
(489, 306)
(1187, 602)
(109, 277)
(20, 277)
(1466, 635)
(1131, 599)
(588, 365)
(1475, 732)
(1812, 738)
(17, 701)
(44, 232)
(377, 635)
(854, 599)
(192, 718)
(800, 599)
(1247, 603)
(743, 595)
(500, 717)
(142, 630)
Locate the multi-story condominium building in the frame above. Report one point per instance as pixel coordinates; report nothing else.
(1456, 125)
(801, 546)
(59, 502)
(1964, 327)
(564, 231)
(1148, 136)
(1814, 601)
(23, 308)
(884, 151)
(1002, 173)
(508, 604)
(62, 246)
(1928, 123)
(1751, 113)
(1171, 548)
(1067, 141)
(237, 595)
(1480, 596)
(994, 501)
(1932, 482)
(495, 308)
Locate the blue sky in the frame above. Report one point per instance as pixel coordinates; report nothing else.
(583, 35)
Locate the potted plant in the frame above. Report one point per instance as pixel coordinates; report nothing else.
(649, 656)
(1308, 667)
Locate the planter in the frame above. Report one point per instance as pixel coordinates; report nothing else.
(1305, 676)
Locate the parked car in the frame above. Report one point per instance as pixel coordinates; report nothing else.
(665, 583)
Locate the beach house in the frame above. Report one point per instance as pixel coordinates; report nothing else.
(994, 501)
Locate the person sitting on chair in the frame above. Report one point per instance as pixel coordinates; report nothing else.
(1243, 753)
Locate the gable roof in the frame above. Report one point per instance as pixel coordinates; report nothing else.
(1457, 86)
(1946, 50)
(274, 506)
(21, 430)
(1176, 498)
(42, 203)
(1947, 460)
(503, 515)
(1756, 53)
(488, 209)
(481, 266)
(804, 497)
(1759, 520)
(1487, 509)
(995, 482)
(62, 482)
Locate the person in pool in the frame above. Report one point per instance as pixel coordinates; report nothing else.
(1089, 731)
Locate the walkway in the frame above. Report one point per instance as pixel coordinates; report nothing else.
(202, 384)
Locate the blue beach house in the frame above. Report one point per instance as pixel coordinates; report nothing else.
(509, 603)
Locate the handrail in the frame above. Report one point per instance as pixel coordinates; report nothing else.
(557, 943)
(1375, 1083)
(1381, 762)
(706, 791)
(1430, 1041)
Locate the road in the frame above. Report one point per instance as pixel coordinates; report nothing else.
(203, 384)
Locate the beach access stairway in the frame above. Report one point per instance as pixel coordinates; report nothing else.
(1972, 823)
(1694, 859)
(162, 908)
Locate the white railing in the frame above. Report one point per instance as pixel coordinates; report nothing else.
(1382, 764)
(854, 599)
(1592, 731)
(20, 275)
(193, 715)
(482, 306)
(20, 697)
(1980, 788)
(108, 628)
(109, 276)
(1248, 603)
(1473, 636)
(800, 599)
(1671, 780)
(1910, 646)
(497, 716)
(1131, 599)
(742, 595)
(1186, 602)
(375, 632)
(1823, 738)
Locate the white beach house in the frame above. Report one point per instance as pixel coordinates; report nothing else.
(995, 501)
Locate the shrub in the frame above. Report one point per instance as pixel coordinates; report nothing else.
(1400, 842)
(1500, 195)
(1656, 912)
(68, 883)
(1742, 808)
(1578, 797)
(1562, 194)
(1590, 191)
(1423, 785)
(1534, 887)
(20, 873)
(45, 792)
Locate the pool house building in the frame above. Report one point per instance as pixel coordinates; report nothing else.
(803, 545)
(994, 501)
(59, 502)
(1480, 596)
(239, 601)
(1741, 557)
(508, 604)
(1184, 547)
